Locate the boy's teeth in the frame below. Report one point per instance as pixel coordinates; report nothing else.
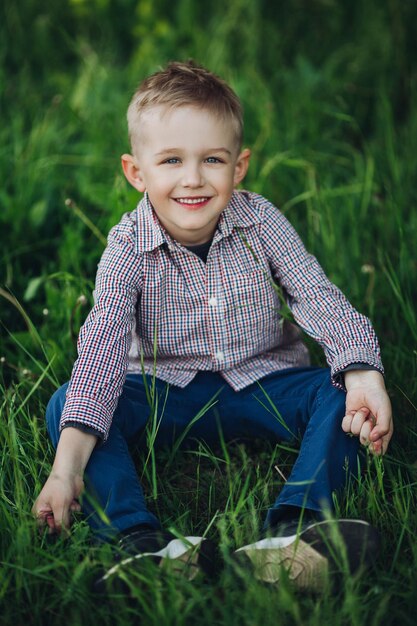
(191, 200)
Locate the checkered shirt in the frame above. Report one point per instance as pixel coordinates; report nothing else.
(160, 309)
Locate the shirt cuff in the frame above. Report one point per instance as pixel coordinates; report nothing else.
(354, 359)
(87, 412)
(85, 429)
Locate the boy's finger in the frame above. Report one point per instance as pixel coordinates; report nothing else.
(365, 432)
(346, 423)
(379, 445)
(380, 429)
(358, 421)
(49, 518)
(50, 521)
(41, 515)
(62, 519)
(348, 418)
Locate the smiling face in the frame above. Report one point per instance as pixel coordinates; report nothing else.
(189, 162)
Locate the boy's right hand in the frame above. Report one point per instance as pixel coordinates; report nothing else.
(56, 501)
(65, 484)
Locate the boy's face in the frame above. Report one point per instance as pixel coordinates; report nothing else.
(189, 163)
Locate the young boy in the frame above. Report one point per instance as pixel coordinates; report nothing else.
(189, 290)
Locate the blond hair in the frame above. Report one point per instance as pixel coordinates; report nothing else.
(185, 84)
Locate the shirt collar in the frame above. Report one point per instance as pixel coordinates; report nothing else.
(239, 213)
(150, 234)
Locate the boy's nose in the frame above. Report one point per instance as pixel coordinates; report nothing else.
(192, 177)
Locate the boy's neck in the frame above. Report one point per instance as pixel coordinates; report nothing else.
(200, 249)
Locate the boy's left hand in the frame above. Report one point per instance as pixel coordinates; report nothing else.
(368, 409)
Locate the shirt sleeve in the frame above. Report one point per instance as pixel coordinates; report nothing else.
(318, 306)
(99, 372)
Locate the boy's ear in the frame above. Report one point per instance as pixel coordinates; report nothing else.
(241, 166)
(132, 172)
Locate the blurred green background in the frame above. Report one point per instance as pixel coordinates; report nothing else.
(329, 91)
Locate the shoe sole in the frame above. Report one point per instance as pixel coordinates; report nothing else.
(307, 558)
(189, 557)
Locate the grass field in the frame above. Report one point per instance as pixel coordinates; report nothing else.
(330, 93)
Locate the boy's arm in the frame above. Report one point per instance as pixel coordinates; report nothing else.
(368, 409)
(65, 484)
(104, 341)
(97, 377)
(346, 336)
(318, 306)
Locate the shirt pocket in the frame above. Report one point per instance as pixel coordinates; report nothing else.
(254, 303)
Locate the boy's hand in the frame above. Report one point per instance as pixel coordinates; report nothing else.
(65, 484)
(56, 501)
(368, 409)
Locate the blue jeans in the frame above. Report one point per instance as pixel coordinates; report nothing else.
(306, 404)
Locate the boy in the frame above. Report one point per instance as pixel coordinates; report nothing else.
(186, 291)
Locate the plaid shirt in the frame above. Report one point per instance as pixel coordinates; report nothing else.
(160, 308)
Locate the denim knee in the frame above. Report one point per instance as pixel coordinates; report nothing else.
(53, 413)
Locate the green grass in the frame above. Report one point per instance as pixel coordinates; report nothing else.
(223, 493)
(330, 93)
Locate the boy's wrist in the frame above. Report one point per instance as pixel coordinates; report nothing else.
(360, 378)
(73, 452)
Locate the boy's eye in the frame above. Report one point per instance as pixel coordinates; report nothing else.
(171, 161)
(213, 159)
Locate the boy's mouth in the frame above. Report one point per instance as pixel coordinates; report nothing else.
(193, 202)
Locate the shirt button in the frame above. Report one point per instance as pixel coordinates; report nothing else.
(213, 301)
(219, 356)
